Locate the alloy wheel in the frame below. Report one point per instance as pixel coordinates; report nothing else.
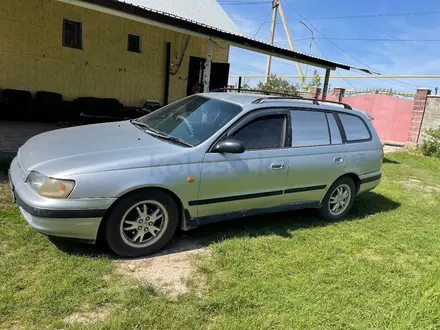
(339, 199)
(144, 224)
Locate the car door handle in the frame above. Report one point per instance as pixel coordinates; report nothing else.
(338, 160)
(275, 166)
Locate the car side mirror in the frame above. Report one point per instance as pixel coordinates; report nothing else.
(229, 146)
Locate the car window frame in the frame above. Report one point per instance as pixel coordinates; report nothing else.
(342, 129)
(333, 114)
(251, 116)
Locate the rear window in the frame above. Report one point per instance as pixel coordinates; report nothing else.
(355, 128)
(309, 128)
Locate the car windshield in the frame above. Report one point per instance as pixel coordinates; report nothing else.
(191, 120)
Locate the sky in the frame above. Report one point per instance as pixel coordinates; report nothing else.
(411, 33)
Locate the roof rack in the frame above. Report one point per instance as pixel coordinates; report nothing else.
(253, 91)
(279, 96)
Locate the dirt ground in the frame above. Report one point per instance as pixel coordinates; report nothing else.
(169, 271)
(388, 149)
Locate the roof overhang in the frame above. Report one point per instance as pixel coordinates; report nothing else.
(179, 24)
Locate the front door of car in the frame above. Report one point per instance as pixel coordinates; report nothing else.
(252, 179)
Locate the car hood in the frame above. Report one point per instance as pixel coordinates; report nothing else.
(94, 148)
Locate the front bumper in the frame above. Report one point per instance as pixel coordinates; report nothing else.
(78, 228)
(69, 218)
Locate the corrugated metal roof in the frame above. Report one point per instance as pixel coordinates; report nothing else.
(207, 12)
(167, 12)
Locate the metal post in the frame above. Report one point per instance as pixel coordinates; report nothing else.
(289, 39)
(325, 90)
(239, 84)
(167, 73)
(207, 70)
(275, 4)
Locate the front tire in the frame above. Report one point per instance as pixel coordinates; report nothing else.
(142, 223)
(338, 200)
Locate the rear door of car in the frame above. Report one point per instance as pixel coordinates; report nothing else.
(364, 153)
(317, 156)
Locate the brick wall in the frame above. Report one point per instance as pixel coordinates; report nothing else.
(417, 115)
(431, 118)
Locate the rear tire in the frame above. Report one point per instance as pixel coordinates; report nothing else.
(338, 200)
(142, 223)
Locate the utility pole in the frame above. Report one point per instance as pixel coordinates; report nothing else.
(289, 39)
(275, 5)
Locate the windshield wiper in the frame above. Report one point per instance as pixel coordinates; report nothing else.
(174, 139)
(139, 123)
(161, 135)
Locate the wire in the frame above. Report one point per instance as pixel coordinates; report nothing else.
(394, 39)
(368, 39)
(361, 16)
(219, 46)
(341, 49)
(182, 55)
(267, 17)
(339, 74)
(245, 3)
(312, 39)
(317, 30)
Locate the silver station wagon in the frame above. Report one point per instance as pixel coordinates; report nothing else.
(206, 158)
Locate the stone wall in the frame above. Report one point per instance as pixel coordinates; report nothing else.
(431, 118)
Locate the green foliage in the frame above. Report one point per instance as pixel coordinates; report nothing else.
(316, 80)
(431, 143)
(279, 85)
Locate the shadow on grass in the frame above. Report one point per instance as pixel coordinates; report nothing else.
(271, 224)
(389, 161)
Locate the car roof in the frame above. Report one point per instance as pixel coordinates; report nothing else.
(253, 101)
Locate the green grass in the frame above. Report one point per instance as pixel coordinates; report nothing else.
(377, 269)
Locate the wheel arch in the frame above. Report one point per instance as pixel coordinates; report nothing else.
(354, 177)
(101, 236)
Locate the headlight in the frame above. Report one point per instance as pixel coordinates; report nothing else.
(50, 187)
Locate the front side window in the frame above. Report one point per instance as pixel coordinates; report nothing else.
(191, 120)
(72, 34)
(309, 128)
(263, 133)
(354, 127)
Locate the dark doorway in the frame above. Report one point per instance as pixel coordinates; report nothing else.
(219, 75)
(195, 75)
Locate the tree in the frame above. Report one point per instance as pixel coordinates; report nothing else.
(278, 85)
(316, 80)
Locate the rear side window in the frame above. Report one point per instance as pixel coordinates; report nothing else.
(334, 129)
(263, 133)
(355, 128)
(309, 128)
